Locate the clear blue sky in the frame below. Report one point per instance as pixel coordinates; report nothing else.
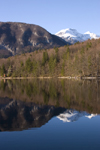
(54, 15)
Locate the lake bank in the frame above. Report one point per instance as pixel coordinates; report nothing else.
(63, 77)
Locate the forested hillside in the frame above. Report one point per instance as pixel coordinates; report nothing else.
(80, 59)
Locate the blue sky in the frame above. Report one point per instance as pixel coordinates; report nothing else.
(54, 15)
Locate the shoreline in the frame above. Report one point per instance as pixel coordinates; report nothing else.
(64, 77)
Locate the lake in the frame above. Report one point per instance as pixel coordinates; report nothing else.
(49, 114)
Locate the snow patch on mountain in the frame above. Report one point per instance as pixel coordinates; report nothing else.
(91, 35)
(72, 35)
(73, 115)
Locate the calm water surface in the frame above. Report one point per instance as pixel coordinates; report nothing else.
(49, 115)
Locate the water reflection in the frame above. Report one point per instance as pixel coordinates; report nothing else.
(79, 95)
(32, 103)
(18, 115)
(73, 115)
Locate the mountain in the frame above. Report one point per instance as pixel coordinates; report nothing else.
(17, 38)
(73, 115)
(73, 36)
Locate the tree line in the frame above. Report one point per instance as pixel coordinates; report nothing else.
(80, 59)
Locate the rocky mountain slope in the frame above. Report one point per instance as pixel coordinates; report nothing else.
(17, 38)
(73, 36)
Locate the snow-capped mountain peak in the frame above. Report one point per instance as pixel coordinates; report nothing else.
(92, 35)
(72, 35)
(67, 32)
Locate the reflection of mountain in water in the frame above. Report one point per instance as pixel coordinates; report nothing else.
(37, 101)
(78, 95)
(73, 115)
(17, 115)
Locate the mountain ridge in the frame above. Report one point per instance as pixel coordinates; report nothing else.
(73, 36)
(18, 38)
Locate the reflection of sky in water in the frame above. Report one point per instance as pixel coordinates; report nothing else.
(56, 135)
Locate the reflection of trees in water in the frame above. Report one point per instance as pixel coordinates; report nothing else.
(65, 93)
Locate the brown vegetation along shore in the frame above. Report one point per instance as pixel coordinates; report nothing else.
(80, 59)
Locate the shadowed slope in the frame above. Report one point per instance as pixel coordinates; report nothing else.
(20, 37)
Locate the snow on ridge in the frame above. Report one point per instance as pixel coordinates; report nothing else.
(92, 35)
(73, 34)
(67, 32)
